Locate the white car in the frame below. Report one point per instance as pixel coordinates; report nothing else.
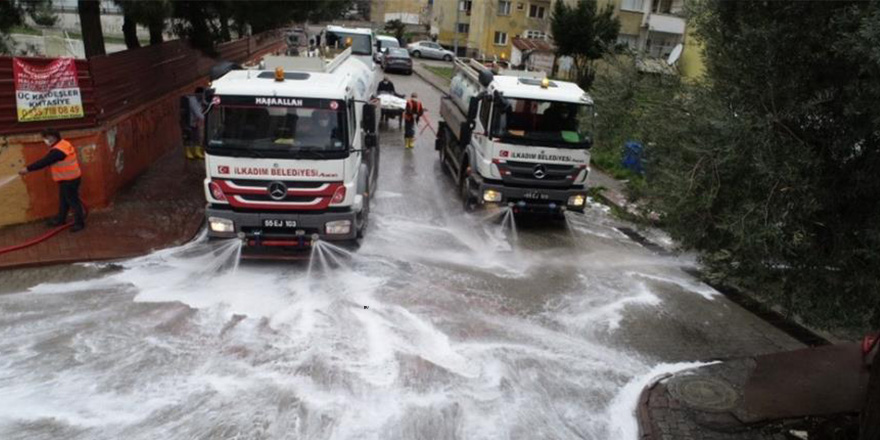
(383, 44)
(429, 49)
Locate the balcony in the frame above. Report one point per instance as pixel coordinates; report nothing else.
(666, 23)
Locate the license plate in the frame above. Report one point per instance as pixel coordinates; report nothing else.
(276, 223)
(536, 196)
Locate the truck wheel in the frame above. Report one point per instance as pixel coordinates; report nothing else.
(443, 158)
(469, 202)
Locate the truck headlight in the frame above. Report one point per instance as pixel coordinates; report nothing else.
(218, 224)
(577, 200)
(338, 227)
(490, 195)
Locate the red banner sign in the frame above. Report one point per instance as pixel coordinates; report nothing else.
(47, 93)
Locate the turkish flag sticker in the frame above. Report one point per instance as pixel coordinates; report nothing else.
(505, 153)
(223, 169)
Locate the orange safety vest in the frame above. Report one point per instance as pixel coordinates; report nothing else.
(67, 169)
(413, 107)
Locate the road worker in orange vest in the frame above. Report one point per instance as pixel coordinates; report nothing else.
(411, 116)
(64, 166)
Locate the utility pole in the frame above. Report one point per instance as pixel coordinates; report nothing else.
(457, 15)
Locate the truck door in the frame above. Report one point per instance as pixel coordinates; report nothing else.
(370, 155)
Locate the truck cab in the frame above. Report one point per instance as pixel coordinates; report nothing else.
(517, 141)
(292, 153)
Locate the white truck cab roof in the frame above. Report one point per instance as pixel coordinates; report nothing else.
(348, 30)
(531, 88)
(315, 85)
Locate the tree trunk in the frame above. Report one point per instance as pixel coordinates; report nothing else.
(870, 418)
(129, 30)
(156, 28)
(90, 23)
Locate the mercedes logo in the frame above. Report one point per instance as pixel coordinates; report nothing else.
(277, 190)
(540, 172)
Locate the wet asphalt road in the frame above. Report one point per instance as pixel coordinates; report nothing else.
(443, 325)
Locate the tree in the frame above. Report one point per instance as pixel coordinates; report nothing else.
(769, 168)
(206, 23)
(129, 31)
(10, 16)
(585, 34)
(90, 23)
(41, 12)
(149, 13)
(396, 28)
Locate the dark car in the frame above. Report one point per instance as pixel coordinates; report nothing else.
(397, 59)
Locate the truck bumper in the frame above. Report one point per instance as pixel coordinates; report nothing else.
(530, 200)
(250, 227)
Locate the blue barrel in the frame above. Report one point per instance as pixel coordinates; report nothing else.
(633, 157)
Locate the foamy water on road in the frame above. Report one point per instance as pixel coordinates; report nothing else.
(442, 325)
(428, 331)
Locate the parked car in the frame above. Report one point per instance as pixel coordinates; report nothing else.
(383, 43)
(397, 59)
(429, 49)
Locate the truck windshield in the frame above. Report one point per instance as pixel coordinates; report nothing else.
(546, 123)
(361, 44)
(277, 131)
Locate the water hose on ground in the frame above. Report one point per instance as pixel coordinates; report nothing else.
(39, 239)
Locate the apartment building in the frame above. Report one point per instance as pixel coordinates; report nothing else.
(411, 12)
(487, 28)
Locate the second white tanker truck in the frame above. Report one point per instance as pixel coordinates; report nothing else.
(516, 141)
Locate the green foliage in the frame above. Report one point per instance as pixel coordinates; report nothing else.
(41, 12)
(441, 71)
(585, 34)
(770, 168)
(625, 103)
(396, 28)
(206, 23)
(10, 17)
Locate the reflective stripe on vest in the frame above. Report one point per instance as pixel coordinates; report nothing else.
(68, 168)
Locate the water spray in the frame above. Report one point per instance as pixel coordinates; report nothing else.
(6, 180)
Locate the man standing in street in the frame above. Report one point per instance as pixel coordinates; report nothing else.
(64, 166)
(192, 120)
(411, 117)
(386, 86)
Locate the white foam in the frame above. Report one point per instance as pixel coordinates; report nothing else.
(623, 424)
(688, 284)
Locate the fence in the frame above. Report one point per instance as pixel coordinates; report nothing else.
(113, 84)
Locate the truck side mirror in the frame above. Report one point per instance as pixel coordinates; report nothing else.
(473, 107)
(222, 68)
(368, 118)
(371, 140)
(467, 130)
(486, 77)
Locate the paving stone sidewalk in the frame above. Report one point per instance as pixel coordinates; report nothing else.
(164, 207)
(748, 398)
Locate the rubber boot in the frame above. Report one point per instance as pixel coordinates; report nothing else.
(189, 152)
(200, 152)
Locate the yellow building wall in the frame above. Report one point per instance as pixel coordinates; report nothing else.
(443, 18)
(378, 8)
(691, 64)
(630, 22)
(13, 191)
(485, 21)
